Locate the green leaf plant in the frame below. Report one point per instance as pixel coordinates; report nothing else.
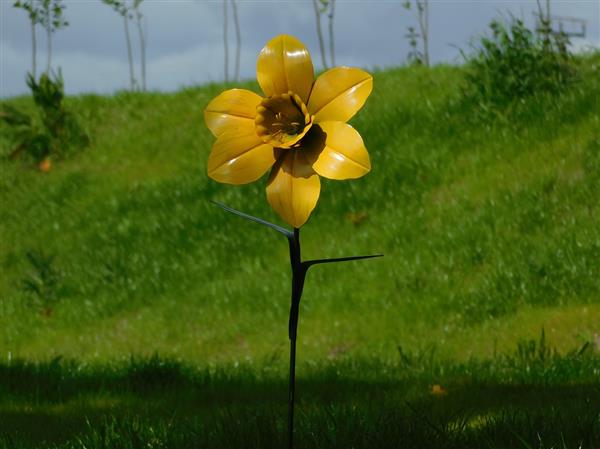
(51, 130)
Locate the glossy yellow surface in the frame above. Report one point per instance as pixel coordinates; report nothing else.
(339, 93)
(298, 129)
(232, 109)
(284, 65)
(239, 157)
(293, 188)
(340, 153)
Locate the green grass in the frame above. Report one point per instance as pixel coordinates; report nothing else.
(528, 399)
(488, 223)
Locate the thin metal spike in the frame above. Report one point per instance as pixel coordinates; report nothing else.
(289, 234)
(309, 263)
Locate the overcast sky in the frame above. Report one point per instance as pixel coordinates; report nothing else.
(185, 37)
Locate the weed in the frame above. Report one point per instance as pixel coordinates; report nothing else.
(54, 131)
(42, 281)
(532, 350)
(515, 63)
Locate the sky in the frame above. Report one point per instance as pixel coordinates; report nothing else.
(185, 37)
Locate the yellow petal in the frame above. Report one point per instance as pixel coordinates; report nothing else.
(339, 93)
(284, 65)
(293, 188)
(232, 109)
(336, 151)
(239, 157)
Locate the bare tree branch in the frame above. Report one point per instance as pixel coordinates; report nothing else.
(141, 34)
(225, 42)
(320, 33)
(238, 40)
(331, 16)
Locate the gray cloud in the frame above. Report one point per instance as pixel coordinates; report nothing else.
(185, 42)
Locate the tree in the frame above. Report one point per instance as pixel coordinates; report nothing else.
(123, 9)
(238, 40)
(33, 10)
(422, 7)
(414, 55)
(319, 10)
(142, 37)
(331, 39)
(327, 7)
(52, 19)
(225, 41)
(49, 14)
(545, 21)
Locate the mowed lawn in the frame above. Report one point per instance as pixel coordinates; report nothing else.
(162, 320)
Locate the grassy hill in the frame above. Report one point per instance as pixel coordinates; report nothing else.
(488, 223)
(161, 321)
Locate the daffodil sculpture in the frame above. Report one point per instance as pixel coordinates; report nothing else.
(299, 131)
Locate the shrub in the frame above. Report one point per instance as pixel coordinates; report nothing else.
(515, 62)
(52, 131)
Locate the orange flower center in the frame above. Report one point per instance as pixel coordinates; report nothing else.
(282, 120)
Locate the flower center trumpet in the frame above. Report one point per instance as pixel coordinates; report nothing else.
(298, 129)
(282, 120)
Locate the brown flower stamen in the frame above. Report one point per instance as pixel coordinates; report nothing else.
(282, 120)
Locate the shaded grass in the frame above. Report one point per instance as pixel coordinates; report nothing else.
(510, 401)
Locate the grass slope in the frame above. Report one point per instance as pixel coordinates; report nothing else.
(488, 225)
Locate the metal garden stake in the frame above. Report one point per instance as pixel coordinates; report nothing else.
(299, 131)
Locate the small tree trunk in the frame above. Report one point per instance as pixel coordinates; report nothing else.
(545, 26)
(426, 33)
(320, 34)
(138, 17)
(423, 10)
(238, 40)
(129, 52)
(33, 50)
(49, 37)
(331, 39)
(225, 42)
(549, 25)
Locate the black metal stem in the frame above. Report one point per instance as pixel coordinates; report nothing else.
(298, 277)
(299, 270)
(292, 393)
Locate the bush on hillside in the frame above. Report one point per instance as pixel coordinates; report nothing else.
(516, 62)
(53, 130)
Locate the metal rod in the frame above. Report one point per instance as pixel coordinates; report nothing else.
(284, 231)
(310, 263)
(299, 270)
(298, 277)
(292, 392)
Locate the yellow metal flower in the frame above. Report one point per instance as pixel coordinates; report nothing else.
(298, 129)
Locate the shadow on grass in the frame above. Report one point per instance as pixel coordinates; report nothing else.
(159, 403)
